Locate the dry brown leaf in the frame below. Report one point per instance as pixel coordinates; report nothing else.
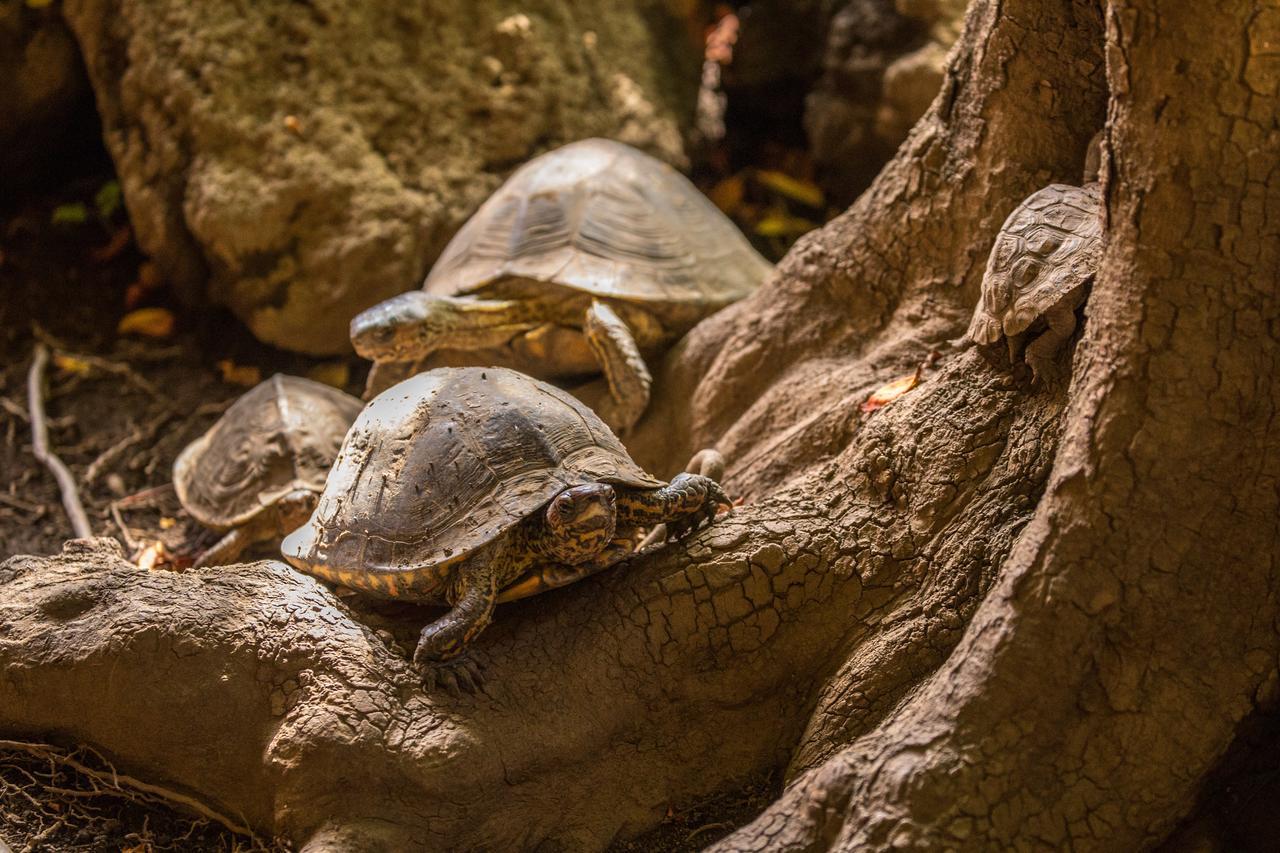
(887, 393)
(152, 556)
(148, 322)
(71, 364)
(334, 373)
(119, 240)
(727, 194)
(293, 125)
(244, 375)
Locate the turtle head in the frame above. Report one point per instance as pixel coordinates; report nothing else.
(415, 324)
(580, 522)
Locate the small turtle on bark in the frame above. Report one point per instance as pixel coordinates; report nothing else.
(468, 487)
(1044, 257)
(257, 471)
(587, 259)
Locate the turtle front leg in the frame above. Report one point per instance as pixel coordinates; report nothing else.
(624, 368)
(226, 549)
(688, 502)
(1040, 353)
(440, 655)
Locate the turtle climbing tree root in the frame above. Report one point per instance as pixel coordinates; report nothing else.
(982, 616)
(640, 684)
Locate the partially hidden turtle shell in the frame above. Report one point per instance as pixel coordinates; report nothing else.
(603, 218)
(281, 436)
(1048, 247)
(446, 462)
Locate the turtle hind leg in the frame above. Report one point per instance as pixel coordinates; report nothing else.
(624, 368)
(226, 549)
(441, 652)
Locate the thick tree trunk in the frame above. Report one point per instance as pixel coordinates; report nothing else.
(985, 616)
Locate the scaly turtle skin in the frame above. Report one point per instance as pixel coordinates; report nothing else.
(256, 473)
(1045, 254)
(472, 486)
(587, 259)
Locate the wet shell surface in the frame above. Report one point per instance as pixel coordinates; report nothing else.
(280, 436)
(601, 217)
(446, 462)
(1049, 246)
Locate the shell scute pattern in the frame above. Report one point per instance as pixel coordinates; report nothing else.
(445, 463)
(1048, 247)
(278, 437)
(605, 219)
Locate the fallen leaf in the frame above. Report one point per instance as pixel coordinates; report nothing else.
(148, 322)
(71, 364)
(147, 281)
(781, 183)
(293, 125)
(75, 213)
(244, 375)
(166, 522)
(887, 393)
(151, 556)
(107, 199)
(779, 224)
(119, 240)
(727, 194)
(334, 373)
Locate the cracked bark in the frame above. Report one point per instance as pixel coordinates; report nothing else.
(986, 616)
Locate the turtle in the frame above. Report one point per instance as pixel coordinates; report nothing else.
(588, 259)
(256, 473)
(468, 487)
(1043, 258)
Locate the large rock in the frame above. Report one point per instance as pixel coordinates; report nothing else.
(307, 160)
(43, 92)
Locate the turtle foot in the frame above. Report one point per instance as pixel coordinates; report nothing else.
(683, 528)
(456, 675)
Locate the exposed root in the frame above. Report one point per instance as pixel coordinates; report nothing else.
(40, 445)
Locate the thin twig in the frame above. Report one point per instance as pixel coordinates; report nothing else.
(14, 409)
(40, 445)
(129, 541)
(118, 780)
(19, 504)
(115, 451)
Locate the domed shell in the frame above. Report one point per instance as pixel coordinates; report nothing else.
(1049, 246)
(281, 436)
(606, 219)
(448, 460)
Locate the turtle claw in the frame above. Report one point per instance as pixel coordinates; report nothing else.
(457, 675)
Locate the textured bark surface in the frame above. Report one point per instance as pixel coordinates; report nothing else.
(308, 160)
(986, 616)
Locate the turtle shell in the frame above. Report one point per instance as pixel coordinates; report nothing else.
(603, 218)
(281, 436)
(1048, 247)
(446, 462)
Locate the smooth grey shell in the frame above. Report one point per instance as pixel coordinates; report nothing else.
(1049, 246)
(447, 461)
(280, 436)
(603, 218)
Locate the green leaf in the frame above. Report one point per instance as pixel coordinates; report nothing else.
(75, 213)
(107, 199)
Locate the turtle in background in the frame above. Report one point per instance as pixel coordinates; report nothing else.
(256, 472)
(468, 487)
(1044, 257)
(589, 259)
